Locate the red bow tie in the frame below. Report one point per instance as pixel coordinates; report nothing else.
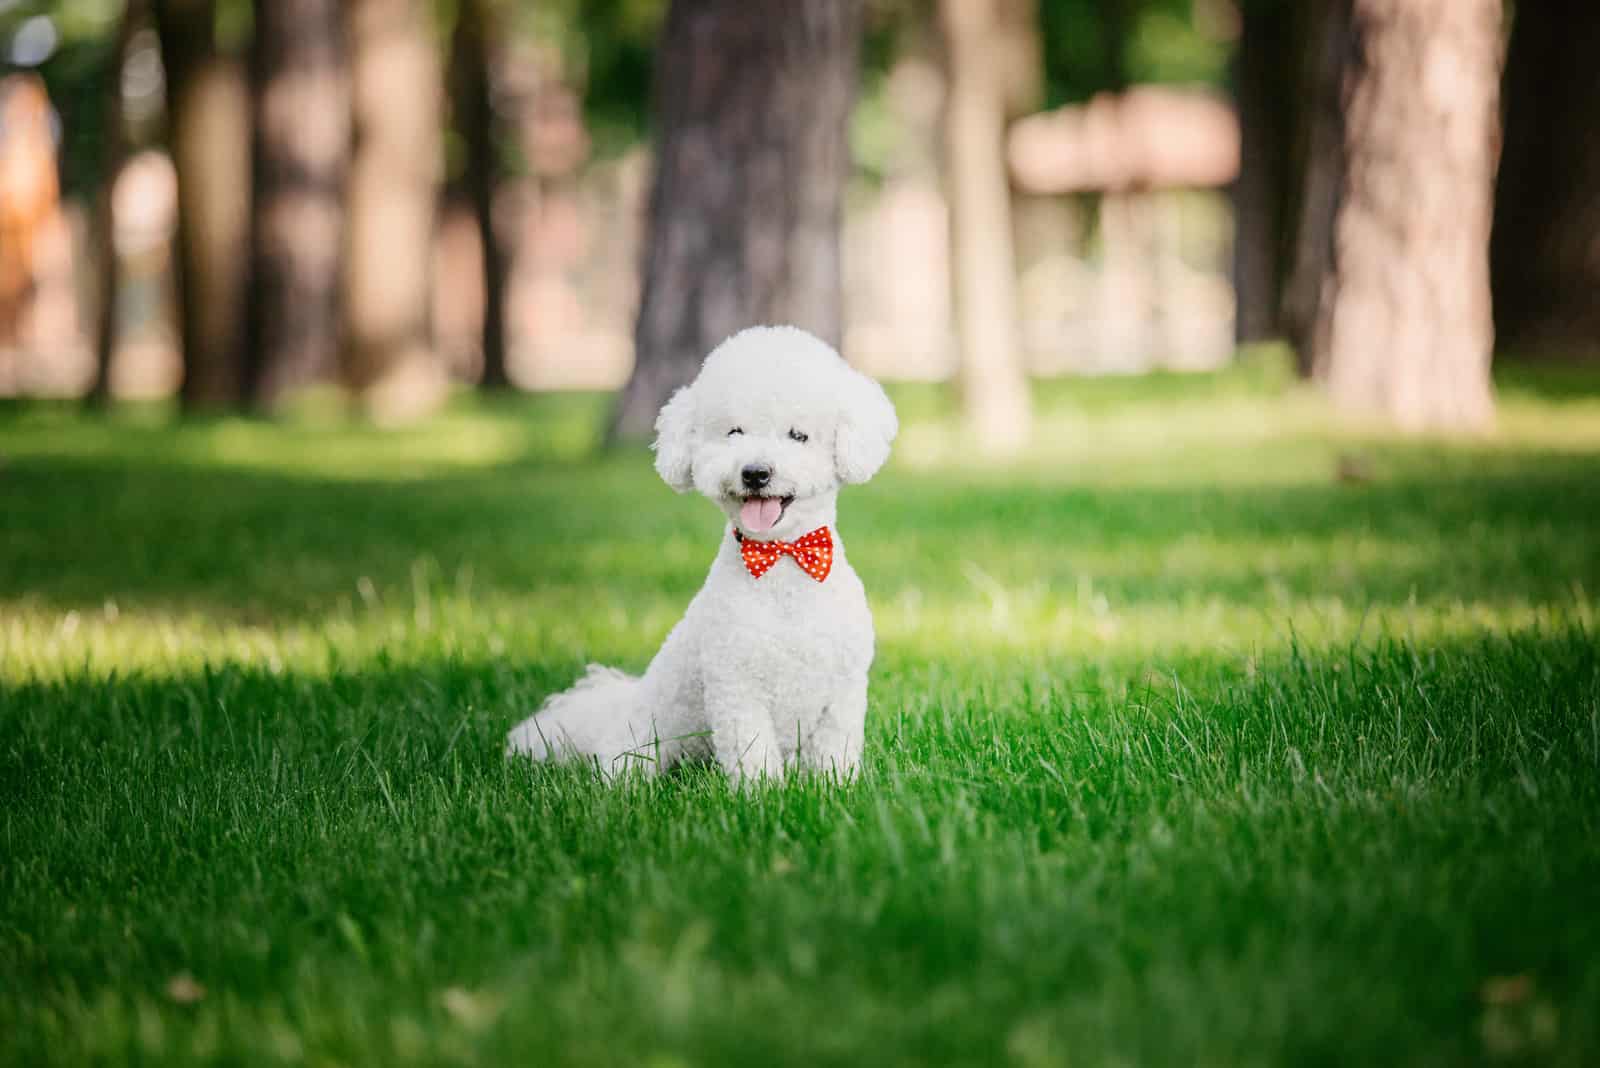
(813, 552)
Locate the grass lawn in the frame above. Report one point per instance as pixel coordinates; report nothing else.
(1206, 733)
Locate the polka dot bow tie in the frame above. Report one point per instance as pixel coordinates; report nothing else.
(813, 552)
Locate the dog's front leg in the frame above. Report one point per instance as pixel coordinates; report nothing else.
(834, 747)
(742, 734)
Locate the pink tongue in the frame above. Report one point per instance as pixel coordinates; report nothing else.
(760, 513)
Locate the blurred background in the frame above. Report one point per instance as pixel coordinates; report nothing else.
(226, 204)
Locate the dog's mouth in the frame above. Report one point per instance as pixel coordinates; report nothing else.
(760, 514)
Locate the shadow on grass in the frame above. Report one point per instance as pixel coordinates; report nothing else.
(256, 546)
(1577, 381)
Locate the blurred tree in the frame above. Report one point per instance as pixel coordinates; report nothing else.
(608, 49)
(393, 192)
(473, 115)
(1319, 172)
(1094, 46)
(117, 144)
(1546, 273)
(76, 76)
(1085, 48)
(1404, 328)
(1266, 65)
(208, 135)
(300, 88)
(994, 388)
(752, 98)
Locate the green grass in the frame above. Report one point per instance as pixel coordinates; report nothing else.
(1182, 749)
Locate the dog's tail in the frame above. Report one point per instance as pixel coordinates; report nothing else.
(598, 719)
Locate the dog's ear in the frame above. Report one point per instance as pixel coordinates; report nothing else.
(867, 426)
(675, 441)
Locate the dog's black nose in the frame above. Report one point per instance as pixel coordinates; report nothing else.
(755, 476)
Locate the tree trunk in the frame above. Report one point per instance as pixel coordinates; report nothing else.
(208, 134)
(473, 108)
(1320, 171)
(104, 226)
(994, 390)
(1116, 21)
(1545, 250)
(301, 150)
(1408, 327)
(752, 100)
(1264, 66)
(393, 193)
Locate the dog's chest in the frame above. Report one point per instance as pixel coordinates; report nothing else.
(788, 621)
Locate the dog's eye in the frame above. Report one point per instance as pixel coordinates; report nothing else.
(800, 436)
(736, 430)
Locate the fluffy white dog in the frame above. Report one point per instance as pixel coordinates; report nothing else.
(767, 671)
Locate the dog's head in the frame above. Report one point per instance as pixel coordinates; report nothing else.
(775, 422)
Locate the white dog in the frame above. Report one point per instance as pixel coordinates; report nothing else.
(767, 671)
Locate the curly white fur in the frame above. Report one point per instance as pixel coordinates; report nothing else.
(762, 675)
